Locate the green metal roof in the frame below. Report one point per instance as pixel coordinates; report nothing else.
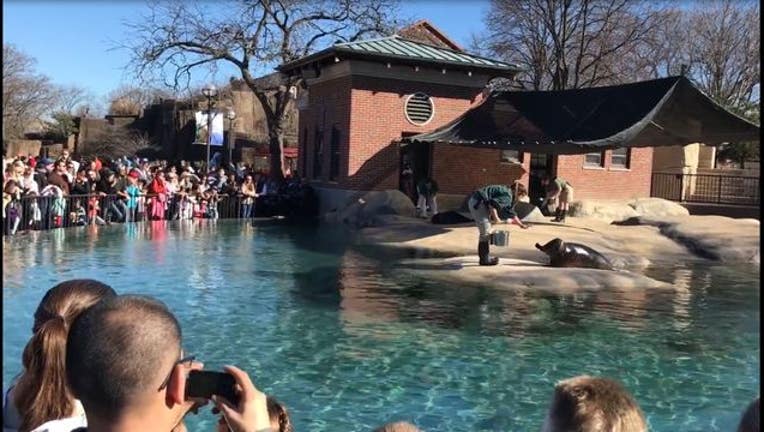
(396, 47)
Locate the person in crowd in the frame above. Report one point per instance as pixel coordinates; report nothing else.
(230, 192)
(520, 192)
(114, 206)
(58, 176)
(173, 188)
(80, 188)
(491, 204)
(53, 206)
(593, 404)
(70, 172)
(397, 427)
(40, 393)
(427, 189)
(750, 420)
(11, 207)
(159, 192)
(249, 195)
(41, 172)
(557, 191)
(28, 184)
(139, 384)
(133, 192)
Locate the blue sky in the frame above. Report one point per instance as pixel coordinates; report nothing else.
(72, 40)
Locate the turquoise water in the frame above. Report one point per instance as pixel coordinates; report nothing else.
(348, 342)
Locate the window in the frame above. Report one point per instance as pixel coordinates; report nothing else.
(511, 156)
(334, 149)
(318, 152)
(419, 109)
(594, 159)
(619, 158)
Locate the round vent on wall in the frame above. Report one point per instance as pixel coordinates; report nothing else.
(419, 109)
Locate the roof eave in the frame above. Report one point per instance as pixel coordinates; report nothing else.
(508, 71)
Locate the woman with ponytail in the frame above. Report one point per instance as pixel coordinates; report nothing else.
(40, 393)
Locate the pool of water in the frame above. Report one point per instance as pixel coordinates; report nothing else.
(347, 342)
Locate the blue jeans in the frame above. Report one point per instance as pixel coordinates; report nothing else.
(117, 208)
(246, 211)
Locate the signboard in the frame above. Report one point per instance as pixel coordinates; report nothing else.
(201, 129)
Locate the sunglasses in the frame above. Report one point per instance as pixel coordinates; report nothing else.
(187, 359)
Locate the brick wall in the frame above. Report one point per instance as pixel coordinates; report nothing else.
(377, 119)
(608, 182)
(461, 170)
(328, 105)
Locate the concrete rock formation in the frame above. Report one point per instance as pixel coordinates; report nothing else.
(373, 209)
(619, 210)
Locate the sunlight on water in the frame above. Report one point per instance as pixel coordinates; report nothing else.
(348, 342)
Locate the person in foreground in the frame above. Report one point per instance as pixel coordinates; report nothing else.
(491, 204)
(750, 420)
(593, 404)
(130, 371)
(40, 393)
(398, 427)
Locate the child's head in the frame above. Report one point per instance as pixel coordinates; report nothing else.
(593, 404)
(279, 416)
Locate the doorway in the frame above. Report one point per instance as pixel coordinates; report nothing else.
(542, 165)
(415, 165)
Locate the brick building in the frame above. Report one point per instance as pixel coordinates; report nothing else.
(366, 102)
(363, 97)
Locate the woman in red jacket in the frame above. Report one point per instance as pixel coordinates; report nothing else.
(159, 191)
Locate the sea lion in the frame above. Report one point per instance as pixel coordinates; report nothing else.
(563, 254)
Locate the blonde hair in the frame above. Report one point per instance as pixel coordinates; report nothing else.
(593, 404)
(397, 427)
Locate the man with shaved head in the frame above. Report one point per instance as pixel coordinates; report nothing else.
(125, 363)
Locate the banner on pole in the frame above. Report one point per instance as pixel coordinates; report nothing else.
(201, 129)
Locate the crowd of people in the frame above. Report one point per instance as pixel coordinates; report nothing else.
(41, 193)
(100, 361)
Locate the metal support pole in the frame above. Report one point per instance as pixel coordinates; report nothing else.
(209, 131)
(231, 141)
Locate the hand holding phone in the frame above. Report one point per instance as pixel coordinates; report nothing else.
(204, 384)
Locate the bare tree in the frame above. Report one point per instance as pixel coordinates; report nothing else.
(130, 99)
(568, 43)
(27, 95)
(179, 37)
(114, 142)
(724, 44)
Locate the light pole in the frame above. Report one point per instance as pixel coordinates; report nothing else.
(210, 92)
(231, 134)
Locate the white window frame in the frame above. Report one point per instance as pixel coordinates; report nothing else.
(626, 158)
(601, 164)
(506, 157)
(406, 112)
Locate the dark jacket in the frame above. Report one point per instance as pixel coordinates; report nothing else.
(498, 197)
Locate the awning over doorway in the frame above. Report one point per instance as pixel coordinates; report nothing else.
(663, 112)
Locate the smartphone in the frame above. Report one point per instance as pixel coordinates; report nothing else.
(204, 384)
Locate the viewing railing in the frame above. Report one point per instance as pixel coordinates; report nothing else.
(48, 212)
(706, 188)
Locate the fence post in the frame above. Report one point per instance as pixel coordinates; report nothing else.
(681, 187)
(719, 193)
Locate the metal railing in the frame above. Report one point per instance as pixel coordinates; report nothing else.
(706, 188)
(49, 212)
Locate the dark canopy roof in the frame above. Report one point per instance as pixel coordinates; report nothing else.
(662, 112)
